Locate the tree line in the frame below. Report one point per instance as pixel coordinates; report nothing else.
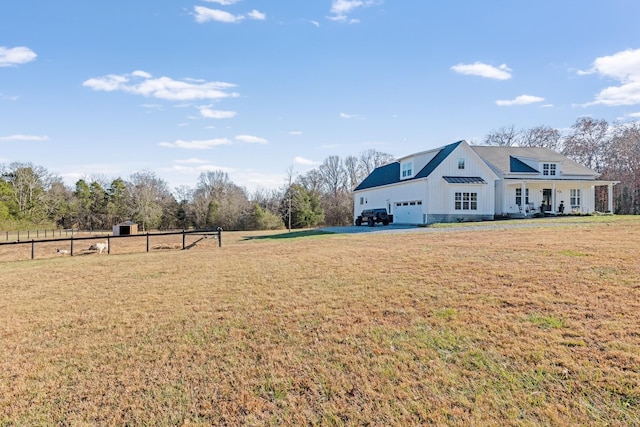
(30, 194)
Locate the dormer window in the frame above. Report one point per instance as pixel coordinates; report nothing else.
(461, 163)
(549, 169)
(407, 169)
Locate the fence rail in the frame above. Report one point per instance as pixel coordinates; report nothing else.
(33, 242)
(37, 234)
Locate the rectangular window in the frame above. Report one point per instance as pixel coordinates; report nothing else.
(575, 197)
(466, 201)
(362, 200)
(407, 170)
(460, 163)
(549, 169)
(519, 196)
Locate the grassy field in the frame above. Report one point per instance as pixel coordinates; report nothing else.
(456, 326)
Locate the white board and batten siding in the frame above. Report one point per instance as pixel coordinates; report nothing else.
(389, 196)
(442, 200)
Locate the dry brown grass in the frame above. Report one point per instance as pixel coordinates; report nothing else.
(457, 327)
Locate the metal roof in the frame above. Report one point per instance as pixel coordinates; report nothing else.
(464, 180)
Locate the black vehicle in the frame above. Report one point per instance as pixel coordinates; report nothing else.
(372, 216)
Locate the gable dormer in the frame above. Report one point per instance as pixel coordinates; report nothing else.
(407, 168)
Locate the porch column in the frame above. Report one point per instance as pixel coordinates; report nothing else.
(553, 197)
(610, 198)
(523, 205)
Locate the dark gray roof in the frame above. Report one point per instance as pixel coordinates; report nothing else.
(390, 173)
(517, 165)
(464, 180)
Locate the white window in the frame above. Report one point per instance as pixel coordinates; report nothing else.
(575, 197)
(461, 163)
(519, 196)
(407, 169)
(362, 200)
(549, 169)
(466, 201)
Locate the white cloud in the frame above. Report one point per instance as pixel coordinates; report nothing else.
(622, 66)
(142, 83)
(341, 8)
(197, 144)
(295, 132)
(10, 57)
(257, 15)
(520, 100)
(196, 170)
(192, 160)
(316, 23)
(635, 115)
(9, 98)
(350, 116)
(483, 70)
(302, 161)
(223, 2)
(204, 14)
(24, 138)
(249, 139)
(216, 114)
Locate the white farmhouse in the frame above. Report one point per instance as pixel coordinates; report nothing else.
(458, 182)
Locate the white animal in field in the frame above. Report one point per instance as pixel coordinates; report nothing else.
(102, 247)
(99, 247)
(61, 251)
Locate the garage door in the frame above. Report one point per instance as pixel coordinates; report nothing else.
(408, 213)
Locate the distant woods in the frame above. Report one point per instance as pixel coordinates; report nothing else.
(31, 195)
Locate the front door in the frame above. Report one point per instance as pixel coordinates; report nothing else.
(546, 199)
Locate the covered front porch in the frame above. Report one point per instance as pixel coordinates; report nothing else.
(528, 198)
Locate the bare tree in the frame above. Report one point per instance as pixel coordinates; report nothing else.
(219, 202)
(29, 184)
(540, 136)
(503, 137)
(588, 142)
(623, 164)
(334, 175)
(371, 159)
(148, 192)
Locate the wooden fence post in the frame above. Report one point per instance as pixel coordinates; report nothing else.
(184, 235)
(33, 249)
(219, 237)
(71, 244)
(147, 241)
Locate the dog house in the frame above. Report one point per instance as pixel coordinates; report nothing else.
(126, 228)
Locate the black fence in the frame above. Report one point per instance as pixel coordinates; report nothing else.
(33, 242)
(37, 234)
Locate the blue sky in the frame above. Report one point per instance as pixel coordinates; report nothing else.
(107, 89)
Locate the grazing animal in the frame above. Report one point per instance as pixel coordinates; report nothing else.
(102, 247)
(61, 251)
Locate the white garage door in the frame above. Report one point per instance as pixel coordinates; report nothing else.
(408, 213)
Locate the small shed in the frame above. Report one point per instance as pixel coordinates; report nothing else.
(126, 228)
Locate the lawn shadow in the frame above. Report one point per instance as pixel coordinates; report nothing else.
(290, 235)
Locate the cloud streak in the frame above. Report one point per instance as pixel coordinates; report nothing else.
(204, 14)
(11, 57)
(484, 70)
(520, 100)
(36, 138)
(143, 83)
